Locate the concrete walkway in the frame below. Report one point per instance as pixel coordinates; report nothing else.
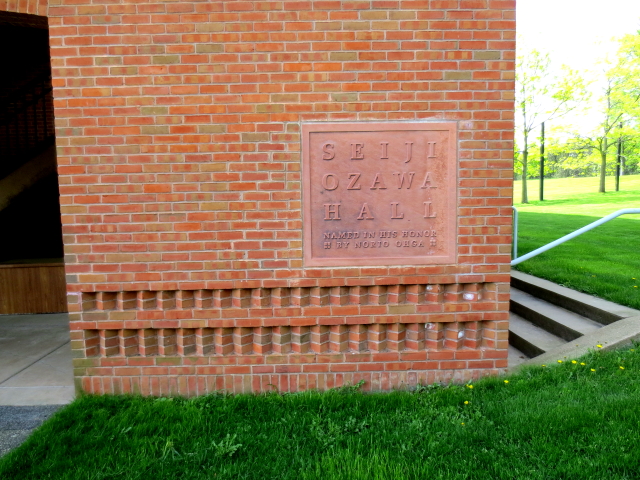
(35, 360)
(36, 374)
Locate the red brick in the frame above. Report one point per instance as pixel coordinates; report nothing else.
(178, 151)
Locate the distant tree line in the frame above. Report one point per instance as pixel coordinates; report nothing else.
(572, 151)
(563, 161)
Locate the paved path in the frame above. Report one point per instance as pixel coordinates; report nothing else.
(35, 360)
(36, 375)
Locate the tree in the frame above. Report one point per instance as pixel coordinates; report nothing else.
(618, 106)
(631, 154)
(541, 97)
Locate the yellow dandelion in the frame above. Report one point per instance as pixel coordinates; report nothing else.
(582, 363)
(599, 346)
(559, 361)
(544, 365)
(470, 386)
(574, 362)
(593, 369)
(466, 402)
(621, 367)
(462, 423)
(506, 381)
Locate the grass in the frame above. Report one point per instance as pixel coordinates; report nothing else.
(578, 196)
(603, 262)
(565, 421)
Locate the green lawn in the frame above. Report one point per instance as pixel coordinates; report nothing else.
(578, 196)
(570, 421)
(604, 262)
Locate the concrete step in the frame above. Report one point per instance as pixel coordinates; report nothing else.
(558, 321)
(530, 339)
(516, 357)
(617, 335)
(549, 321)
(597, 309)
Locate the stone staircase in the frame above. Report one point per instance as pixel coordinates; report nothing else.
(546, 316)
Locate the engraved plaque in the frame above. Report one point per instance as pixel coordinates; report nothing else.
(379, 193)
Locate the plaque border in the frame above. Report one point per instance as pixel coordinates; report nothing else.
(452, 172)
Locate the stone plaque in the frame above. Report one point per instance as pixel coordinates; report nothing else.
(379, 193)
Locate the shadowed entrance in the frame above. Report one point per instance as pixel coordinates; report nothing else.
(31, 266)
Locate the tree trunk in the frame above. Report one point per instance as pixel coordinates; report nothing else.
(603, 166)
(525, 158)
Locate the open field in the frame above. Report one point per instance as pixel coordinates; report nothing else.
(604, 262)
(575, 420)
(580, 196)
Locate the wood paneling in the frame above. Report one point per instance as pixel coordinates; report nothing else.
(33, 288)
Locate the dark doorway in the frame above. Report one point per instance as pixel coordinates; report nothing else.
(31, 250)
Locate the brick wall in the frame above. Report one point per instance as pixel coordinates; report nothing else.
(32, 7)
(26, 105)
(26, 120)
(178, 132)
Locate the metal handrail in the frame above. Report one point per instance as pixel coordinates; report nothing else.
(514, 250)
(580, 231)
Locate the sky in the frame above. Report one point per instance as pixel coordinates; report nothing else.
(575, 32)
